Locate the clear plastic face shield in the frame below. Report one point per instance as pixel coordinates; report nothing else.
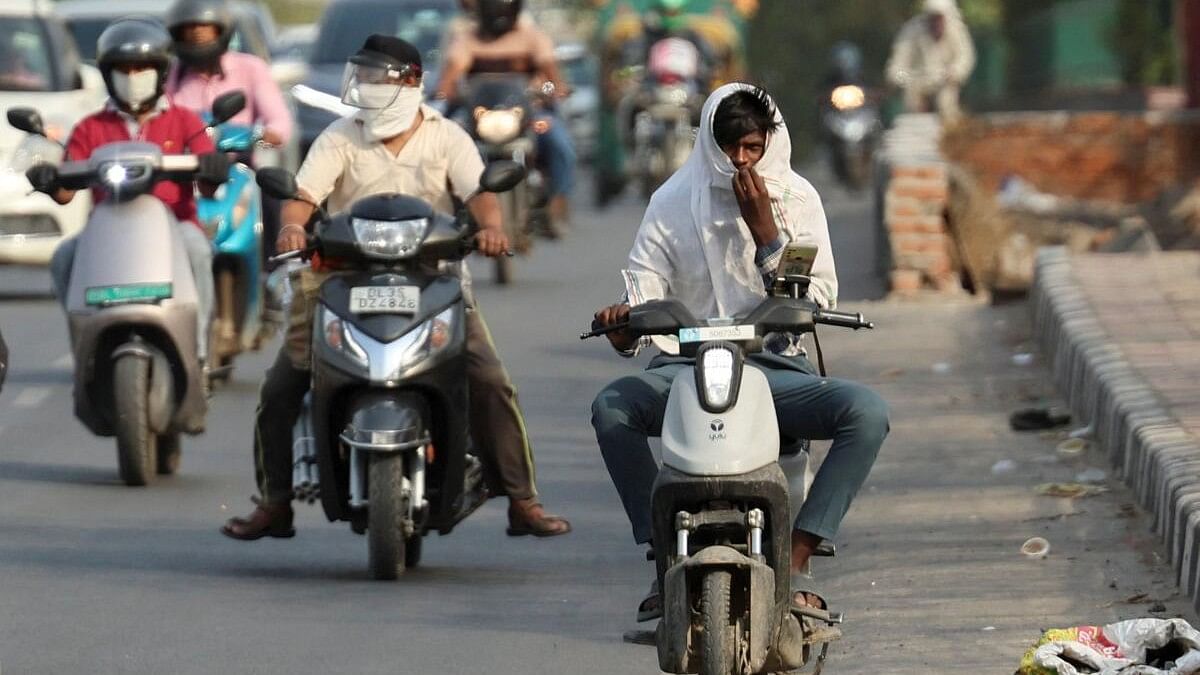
(375, 86)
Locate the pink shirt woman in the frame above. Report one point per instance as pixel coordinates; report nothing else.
(264, 101)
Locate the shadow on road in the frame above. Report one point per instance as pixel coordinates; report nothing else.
(30, 472)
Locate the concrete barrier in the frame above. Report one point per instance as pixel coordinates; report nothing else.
(1146, 446)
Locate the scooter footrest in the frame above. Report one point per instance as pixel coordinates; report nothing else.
(826, 549)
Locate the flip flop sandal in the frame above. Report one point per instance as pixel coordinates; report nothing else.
(650, 608)
(804, 583)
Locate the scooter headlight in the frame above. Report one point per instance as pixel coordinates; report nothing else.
(389, 239)
(848, 97)
(498, 126)
(717, 374)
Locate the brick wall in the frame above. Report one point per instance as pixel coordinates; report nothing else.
(1121, 157)
(915, 200)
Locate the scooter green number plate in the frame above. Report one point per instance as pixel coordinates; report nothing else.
(115, 295)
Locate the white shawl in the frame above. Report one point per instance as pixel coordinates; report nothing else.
(694, 246)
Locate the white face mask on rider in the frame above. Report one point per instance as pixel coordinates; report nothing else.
(135, 89)
(393, 119)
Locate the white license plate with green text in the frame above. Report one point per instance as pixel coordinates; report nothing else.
(385, 299)
(116, 295)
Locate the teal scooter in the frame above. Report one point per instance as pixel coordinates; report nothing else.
(233, 220)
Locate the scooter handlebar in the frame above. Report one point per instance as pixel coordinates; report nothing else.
(854, 321)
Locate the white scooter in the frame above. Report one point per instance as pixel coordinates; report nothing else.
(131, 303)
(721, 506)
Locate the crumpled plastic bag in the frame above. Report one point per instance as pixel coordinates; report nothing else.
(1135, 647)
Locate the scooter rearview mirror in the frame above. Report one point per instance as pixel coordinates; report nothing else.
(278, 183)
(227, 105)
(27, 120)
(502, 176)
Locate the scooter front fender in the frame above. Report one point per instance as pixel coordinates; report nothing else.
(681, 584)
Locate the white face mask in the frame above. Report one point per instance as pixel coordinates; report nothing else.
(394, 119)
(135, 90)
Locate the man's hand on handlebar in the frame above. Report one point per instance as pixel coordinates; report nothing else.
(292, 237)
(622, 340)
(492, 242)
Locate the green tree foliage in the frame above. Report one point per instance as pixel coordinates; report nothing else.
(1144, 43)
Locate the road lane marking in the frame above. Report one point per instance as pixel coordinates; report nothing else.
(32, 397)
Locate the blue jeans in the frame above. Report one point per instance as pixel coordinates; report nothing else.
(557, 155)
(199, 253)
(630, 410)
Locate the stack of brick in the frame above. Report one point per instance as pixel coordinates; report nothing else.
(914, 194)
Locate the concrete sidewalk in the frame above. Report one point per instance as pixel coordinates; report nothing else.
(1122, 332)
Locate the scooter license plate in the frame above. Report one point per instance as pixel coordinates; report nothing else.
(385, 299)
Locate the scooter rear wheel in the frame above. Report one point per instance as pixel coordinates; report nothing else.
(137, 456)
(387, 508)
(717, 655)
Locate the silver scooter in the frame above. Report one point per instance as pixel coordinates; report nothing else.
(132, 305)
(722, 512)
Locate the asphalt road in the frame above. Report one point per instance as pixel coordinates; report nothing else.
(99, 578)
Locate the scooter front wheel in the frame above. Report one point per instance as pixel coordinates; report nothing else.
(137, 456)
(170, 450)
(717, 655)
(387, 509)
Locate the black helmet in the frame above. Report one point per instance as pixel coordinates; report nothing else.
(214, 12)
(134, 41)
(497, 17)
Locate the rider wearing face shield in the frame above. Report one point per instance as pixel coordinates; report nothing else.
(505, 41)
(133, 55)
(394, 143)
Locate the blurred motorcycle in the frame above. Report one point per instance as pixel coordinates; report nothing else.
(850, 119)
(662, 114)
(499, 112)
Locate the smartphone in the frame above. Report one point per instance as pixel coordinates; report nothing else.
(797, 260)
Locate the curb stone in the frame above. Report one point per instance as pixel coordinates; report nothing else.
(1146, 446)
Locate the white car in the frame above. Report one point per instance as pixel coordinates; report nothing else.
(40, 69)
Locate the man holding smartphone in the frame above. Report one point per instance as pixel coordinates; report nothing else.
(713, 237)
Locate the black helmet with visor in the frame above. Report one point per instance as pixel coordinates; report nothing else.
(186, 13)
(375, 74)
(133, 41)
(497, 17)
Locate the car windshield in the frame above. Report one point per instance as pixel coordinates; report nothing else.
(25, 60)
(347, 24)
(87, 29)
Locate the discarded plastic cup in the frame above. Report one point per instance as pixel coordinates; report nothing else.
(1071, 448)
(1022, 359)
(1035, 548)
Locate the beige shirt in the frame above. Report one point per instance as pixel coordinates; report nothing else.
(920, 62)
(438, 163)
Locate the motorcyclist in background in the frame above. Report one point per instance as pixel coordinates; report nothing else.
(206, 68)
(503, 42)
(133, 56)
(669, 19)
(845, 65)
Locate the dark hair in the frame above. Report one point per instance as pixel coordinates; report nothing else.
(744, 112)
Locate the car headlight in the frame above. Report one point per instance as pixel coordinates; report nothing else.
(848, 97)
(337, 336)
(430, 338)
(498, 126)
(716, 374)
(389, 238)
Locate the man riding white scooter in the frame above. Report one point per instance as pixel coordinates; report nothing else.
(133, 56)
(710, 237)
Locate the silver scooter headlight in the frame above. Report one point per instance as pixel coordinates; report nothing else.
(389, 239)
(717, 377)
